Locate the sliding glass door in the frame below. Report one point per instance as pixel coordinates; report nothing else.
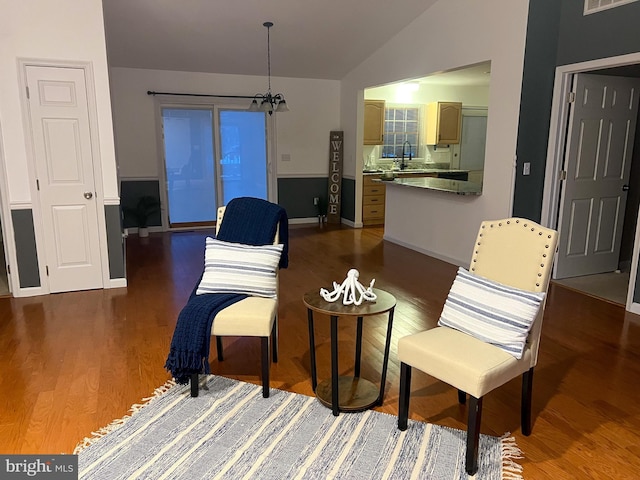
(243, 155)
(189, 166)
(195, 183)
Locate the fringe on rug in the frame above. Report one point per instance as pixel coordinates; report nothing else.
(511, 470)
(87, 441)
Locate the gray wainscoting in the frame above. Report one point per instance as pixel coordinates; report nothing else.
(26, 253)
(115, 241)
(296, 196)
(131, 191)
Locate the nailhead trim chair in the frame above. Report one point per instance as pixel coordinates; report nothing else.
(516, 252)
(251, 317)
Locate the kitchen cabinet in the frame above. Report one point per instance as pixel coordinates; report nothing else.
(443, 123)
(373, 122)
(373, 197)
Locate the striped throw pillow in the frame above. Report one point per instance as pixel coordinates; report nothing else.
(490, 311)
(238, 268)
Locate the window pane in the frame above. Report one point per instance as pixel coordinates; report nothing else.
(243, 145)
(401, 124)
(188, 144)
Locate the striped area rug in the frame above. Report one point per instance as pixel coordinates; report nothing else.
(231, 432)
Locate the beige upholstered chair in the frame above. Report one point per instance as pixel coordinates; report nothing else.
(250, 317)
(516, 252)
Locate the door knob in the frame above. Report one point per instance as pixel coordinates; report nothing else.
(625, 188)
(88, 195)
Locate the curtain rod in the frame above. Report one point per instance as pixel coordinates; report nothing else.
(150, 92)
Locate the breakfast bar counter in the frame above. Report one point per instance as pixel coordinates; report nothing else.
(438, 184)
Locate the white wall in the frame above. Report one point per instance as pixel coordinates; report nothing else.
(302, 133)
(450, 34)
(477, 96)
(61, 31)
(64, 30)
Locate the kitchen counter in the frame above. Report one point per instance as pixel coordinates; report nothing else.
(438, 184)
(416, 171)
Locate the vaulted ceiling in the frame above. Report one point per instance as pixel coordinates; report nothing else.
(310, 39)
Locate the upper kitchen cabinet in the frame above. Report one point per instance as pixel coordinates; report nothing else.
(443, 123)
(373, 122)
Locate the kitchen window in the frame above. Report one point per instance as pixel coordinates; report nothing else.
(401, 124)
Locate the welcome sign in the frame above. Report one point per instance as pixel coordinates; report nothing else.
(336, 153)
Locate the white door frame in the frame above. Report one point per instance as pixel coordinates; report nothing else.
(557, 143)
(7, 224)
(39, 232)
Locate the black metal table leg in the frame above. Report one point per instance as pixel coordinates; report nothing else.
(348, 393)
(385, 362)
(356, 372)
(312, 351)
(334, 366)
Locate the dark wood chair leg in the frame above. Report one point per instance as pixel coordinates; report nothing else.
(219, 348)
(473, 434)
(462, 397)
(274, 340)
(525, 410)
(405, 388)
(194, 385)
(265, 366)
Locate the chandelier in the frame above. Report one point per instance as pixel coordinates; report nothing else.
(268, 102)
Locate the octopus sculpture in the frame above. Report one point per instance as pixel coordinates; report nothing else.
(352, 291)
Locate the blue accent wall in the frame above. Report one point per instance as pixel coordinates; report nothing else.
(535, 105)
(559, 34)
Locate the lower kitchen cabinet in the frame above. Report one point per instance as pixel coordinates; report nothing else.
(373, 196)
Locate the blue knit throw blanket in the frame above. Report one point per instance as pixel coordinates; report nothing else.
(247, 220)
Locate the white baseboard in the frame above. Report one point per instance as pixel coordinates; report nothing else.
(310, 220)
(444, 258)
(117, 283)
(351, 223)
(155, 229)
(29, 292)
(625, 266)
(303, 220)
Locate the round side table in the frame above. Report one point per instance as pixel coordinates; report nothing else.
(348, 393)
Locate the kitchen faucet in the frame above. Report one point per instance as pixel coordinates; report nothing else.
(402, 164)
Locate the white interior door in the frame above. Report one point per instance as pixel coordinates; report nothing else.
(600, 140)
(61, 137)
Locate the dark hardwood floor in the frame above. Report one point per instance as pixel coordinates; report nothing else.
(73, 362)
